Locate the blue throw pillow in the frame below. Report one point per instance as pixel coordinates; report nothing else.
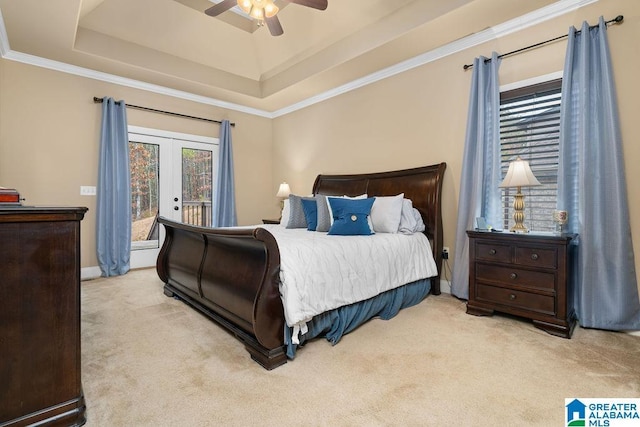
(310, 208)
(351, 216)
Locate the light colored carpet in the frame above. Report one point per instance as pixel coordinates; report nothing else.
(149, 360)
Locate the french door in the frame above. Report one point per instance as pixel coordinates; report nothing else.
(172, 175)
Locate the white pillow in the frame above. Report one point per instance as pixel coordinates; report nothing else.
(386, 213)
(411, 220)
(286, 212)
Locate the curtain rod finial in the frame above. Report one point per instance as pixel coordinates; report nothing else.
(618, 19)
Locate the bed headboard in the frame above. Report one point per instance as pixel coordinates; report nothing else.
(422, 185)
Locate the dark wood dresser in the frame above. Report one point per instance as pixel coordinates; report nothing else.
(40, 317)
(526, 275)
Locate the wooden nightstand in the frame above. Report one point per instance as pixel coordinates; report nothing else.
(271, 221)
(525, 275)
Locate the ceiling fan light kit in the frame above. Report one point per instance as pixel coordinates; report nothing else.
(258, 9)
(270, 9)
(263, 10)
(245, 5)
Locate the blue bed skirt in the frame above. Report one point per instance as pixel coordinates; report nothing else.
(333, 324)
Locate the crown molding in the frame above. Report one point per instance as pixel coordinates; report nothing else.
(124, 81)
(530, 19)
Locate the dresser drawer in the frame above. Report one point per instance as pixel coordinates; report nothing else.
(514, 276)
(543, 257)
(516, 299)
(494, 252)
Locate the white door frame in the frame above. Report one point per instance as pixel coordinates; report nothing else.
(170, 182)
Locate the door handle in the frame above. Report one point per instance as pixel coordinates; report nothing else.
(176, 208)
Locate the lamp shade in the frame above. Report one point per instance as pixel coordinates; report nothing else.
(519, 175)
(283, 190)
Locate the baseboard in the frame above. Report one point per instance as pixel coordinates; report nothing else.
(89, 273)
(445, 286)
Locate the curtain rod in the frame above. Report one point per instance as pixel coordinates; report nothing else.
(617, 20)
(153, 110)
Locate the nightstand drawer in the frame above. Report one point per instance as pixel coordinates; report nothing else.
(516, 299)
(514, 276)
(537, 257)
(526, 275)
(493, 252)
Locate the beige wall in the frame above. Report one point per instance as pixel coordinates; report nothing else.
(49, 125)
(419, 117)
(49, 132)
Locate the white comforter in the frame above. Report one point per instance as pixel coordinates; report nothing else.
(319, 272)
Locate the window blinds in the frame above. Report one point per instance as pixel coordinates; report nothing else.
(530, 128)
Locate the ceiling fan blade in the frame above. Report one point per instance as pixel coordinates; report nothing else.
(223, 6)
(316, 4)
(275, 28)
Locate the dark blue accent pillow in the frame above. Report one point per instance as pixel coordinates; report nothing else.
(351, 216)
(310, 208)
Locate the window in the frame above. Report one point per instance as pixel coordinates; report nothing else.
(530, 128)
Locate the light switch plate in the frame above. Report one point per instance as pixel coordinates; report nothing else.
(87, 190)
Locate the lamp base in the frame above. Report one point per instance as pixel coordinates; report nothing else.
(518, 213)
(519, 228)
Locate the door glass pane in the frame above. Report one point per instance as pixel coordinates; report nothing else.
(196, 186)
(145, 173)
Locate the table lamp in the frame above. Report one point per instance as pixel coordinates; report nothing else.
(283, 193)
(519, 175)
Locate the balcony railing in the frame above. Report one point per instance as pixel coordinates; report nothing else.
(196, 213)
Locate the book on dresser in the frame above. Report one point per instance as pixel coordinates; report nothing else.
(9, 197)
(526, 275)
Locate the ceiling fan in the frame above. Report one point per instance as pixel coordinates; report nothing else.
(264, 11)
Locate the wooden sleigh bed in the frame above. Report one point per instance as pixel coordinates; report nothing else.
(231, 275)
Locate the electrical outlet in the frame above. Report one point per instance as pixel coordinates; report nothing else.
(445, 252)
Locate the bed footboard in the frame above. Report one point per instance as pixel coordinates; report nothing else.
(231, 276)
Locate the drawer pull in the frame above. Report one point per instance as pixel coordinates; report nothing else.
(513, 275)
(492, 252)
(534, 257)
(512, 297)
